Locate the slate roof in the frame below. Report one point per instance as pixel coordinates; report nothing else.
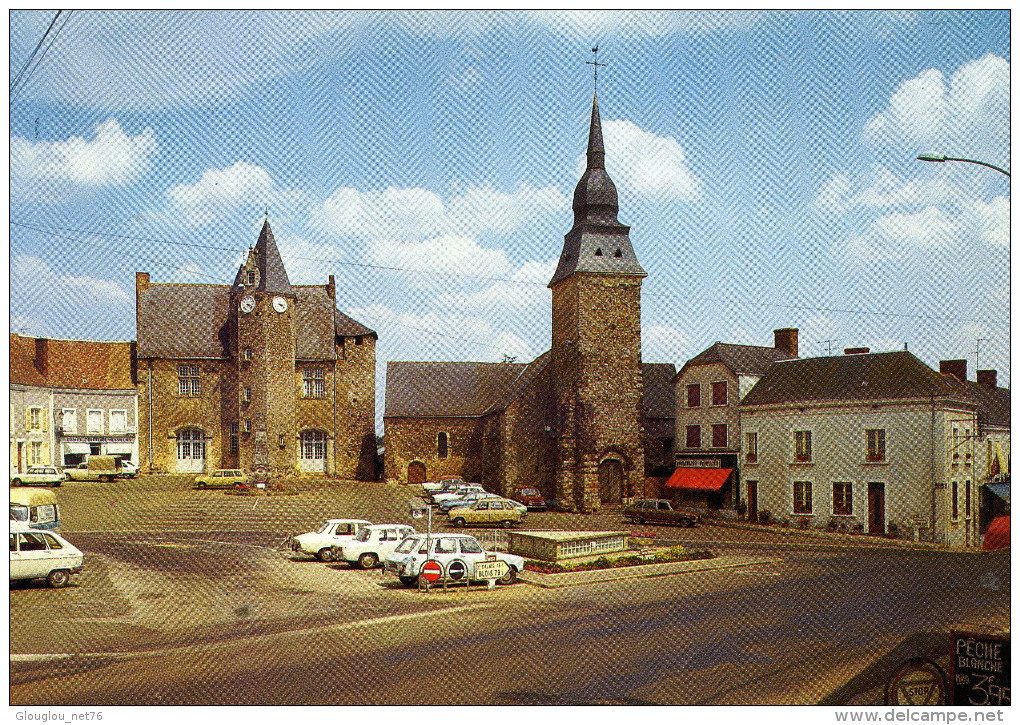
(740, 359)
(183, 321)
(875, 376)
(77, 364)
(992, 402)
(447, 389)
(190, 321)
(658, 399)
(272, 274)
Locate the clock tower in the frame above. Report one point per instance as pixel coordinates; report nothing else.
(263, 309)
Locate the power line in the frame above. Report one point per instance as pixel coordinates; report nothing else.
(35, 50)
(46, 50)
(447, 275)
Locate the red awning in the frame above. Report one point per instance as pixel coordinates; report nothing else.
(699, 479)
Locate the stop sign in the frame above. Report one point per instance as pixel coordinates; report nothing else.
(431, 571)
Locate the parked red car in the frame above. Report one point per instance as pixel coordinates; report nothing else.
(532, 498)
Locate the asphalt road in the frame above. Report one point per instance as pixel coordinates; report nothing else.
(239, 624)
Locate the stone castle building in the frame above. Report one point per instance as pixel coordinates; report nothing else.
(585, 421)
(260, 374)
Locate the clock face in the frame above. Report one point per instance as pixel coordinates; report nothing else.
(280, 304)
(247, 304)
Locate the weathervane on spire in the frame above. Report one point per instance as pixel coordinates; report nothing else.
(596, 63)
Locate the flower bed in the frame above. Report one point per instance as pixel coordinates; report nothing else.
(673, 553)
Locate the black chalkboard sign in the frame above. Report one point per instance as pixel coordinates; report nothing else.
(979, 669)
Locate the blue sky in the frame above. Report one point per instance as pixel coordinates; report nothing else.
(764, 161)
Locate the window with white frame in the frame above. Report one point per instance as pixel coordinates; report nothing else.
(842, 499)
(118, 421)
(876, 444)
(315, 383)
(802, 497)
(35, 453)
(35, 418)
(69, 421)
(94, 421)
(189, 380)
(802, 446)
(313, 445)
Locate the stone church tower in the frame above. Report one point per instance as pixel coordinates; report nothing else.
(263, 306)
(596, 346)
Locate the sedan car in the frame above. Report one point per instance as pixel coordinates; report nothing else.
(372, 544)
(456, 554)
(659, 511)
(532, 498)
(331, 535)
(438, 498)
(45, 555)
(488, 511)
(39, 476)
(221, 478)
(465, 500)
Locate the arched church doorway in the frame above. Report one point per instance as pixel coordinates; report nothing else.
(611, 481)
(416, 472)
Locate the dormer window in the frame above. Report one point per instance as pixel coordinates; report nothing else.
(251, 277)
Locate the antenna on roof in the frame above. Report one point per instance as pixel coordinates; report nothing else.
(828, 345)
(977, 352)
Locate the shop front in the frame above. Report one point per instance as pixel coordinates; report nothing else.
(75, 449)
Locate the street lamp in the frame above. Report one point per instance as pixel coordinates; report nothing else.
(942, 158)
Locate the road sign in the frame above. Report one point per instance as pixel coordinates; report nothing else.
(431, 571)
(491, 569)
(917, 682)
(456, 570)
(979, 667)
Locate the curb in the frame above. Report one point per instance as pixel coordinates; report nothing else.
(642, 571)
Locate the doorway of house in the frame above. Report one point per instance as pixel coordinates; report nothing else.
(611, 481)
(752, 501)
(416, 472)
(876, 508)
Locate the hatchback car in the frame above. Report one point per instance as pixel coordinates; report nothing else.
(37, 554)
(456, 554)
(372, 544)
(221, 478)
(659, 511)
(532, 498)
(333, 534)
(39, 476)
(500, 512)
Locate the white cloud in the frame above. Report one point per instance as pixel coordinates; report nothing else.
(508, 344)
(37, 285)
(448, 254)
(646, 164)
(663, 343)
(588, 24)
(992, 220)
(968, 116)
(525, 291)
(834, 197)
(414, 213)
(55, 169)
(190, 272)
(306, 262)
(220, 191)
(893, 235)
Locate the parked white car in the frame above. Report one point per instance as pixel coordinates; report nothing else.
(37, 554)
(39, 476)
(372, 544)
(332, 534)
(438, 498)
(457, 554)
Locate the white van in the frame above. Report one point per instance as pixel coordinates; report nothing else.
(37, 554)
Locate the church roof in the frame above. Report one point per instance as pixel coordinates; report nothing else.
(850, 378)
(658, 396)
(740, 359)
(447, 389)
(272, 274)
(598, 243)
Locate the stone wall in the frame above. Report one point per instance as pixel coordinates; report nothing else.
(410, 440)
(355, 408)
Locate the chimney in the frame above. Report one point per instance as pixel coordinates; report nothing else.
(331, 288)
(141, 281)
(856, 350)
(42, 355)
(786, 340)
(956, 368)
(988, 378)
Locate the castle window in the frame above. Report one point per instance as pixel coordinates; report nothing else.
(247, 394)
(315, 383)
(618, 253)
(234, 445)
(247, 426)
(251, 277)
(442, 445)
(598, 252)
(188, 380)
(313, 445)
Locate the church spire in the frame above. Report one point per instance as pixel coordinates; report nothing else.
(596, 150)
(272, 274)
